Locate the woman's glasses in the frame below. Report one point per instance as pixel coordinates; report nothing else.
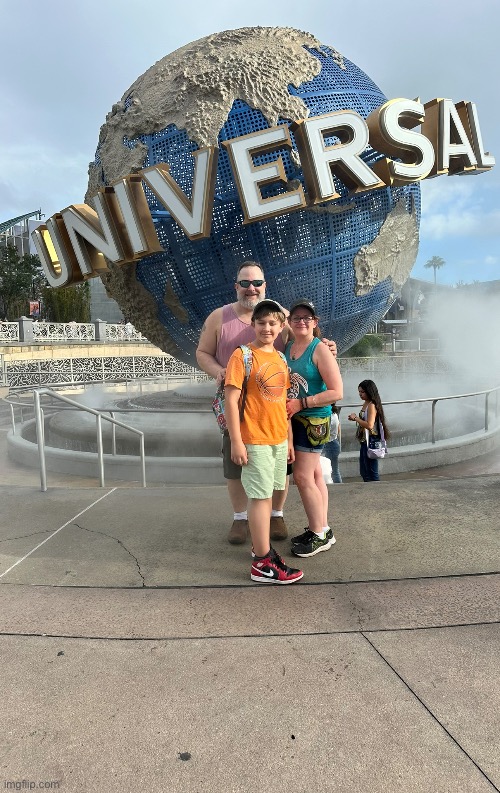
(256, 282)
(297, 320)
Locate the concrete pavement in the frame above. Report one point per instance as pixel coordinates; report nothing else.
(136, 653)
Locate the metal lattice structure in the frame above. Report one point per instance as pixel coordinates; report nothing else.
(96, 369)
(306, 253)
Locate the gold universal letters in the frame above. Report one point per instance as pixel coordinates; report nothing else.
(77, 243)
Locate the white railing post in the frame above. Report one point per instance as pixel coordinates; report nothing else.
(113, 435)
(100, 452)
(40, 436)
(143, 460)
(433, 430)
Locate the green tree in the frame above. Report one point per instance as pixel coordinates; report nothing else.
(66, 304)
(436, 263)
(370, 345)
(21, 280)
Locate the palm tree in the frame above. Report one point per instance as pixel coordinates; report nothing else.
(436, 262)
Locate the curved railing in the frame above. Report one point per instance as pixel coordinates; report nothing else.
(108, 414)
(13, 401)
(40, 434)
(433, 401)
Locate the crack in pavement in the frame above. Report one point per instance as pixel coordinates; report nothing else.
(22, 536)
(110, 537)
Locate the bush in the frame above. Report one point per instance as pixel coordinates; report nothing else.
(367, 347)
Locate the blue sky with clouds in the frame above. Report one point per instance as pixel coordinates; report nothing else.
(63, 65)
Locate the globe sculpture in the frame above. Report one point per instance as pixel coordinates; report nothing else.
(350, 256)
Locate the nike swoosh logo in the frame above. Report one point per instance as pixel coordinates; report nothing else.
(269, 575)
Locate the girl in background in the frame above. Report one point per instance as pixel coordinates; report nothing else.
(371, 416)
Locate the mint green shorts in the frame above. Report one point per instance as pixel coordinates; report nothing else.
(265, 470)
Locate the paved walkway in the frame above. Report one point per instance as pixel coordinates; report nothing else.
(136, 653)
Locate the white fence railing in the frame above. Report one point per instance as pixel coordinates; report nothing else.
(9, 331)
(63, 331)
(125, 332)
(31, 332)
(97, 369)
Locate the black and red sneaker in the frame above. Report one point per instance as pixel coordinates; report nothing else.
(273, 570)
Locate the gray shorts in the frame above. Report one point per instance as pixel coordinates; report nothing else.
(231, 470)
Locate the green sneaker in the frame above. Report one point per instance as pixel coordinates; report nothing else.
(312, 544)
(300, 539)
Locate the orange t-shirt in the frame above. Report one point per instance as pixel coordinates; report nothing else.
(265, 422)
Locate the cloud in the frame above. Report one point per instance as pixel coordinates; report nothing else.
(40, 176)
(459, 207)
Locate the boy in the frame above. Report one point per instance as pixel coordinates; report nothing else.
(262, 442)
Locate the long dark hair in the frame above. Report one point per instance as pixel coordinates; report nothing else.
(371, 391)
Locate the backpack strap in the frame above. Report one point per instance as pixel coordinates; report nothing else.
(248, 361)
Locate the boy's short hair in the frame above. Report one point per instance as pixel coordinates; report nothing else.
(266, 307)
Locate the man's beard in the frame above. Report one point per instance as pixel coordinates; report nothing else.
(250, 302)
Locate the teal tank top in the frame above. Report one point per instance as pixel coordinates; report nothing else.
(305, 379)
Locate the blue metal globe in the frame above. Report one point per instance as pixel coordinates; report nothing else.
(308, 253)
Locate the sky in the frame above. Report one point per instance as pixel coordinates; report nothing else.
(63, 65)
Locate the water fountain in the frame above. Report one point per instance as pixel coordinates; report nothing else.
(182, 442)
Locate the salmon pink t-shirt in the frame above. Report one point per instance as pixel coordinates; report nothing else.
(265, 422)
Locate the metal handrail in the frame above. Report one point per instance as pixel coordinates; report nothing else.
(435, 400)
(40, 434)
(100, 414)
(10, 399)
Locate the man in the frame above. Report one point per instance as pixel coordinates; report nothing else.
(223, 331)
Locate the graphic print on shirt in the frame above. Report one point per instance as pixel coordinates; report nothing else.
(296, 380)
(271, 381)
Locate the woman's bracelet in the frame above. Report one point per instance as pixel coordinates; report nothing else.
(304, 404)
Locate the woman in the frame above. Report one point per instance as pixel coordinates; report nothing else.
(316, 383)
(371, 416)
(332, 448)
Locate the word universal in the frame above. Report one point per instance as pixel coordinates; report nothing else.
(78, 242)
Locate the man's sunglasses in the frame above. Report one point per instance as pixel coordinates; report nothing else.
(245, 284)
